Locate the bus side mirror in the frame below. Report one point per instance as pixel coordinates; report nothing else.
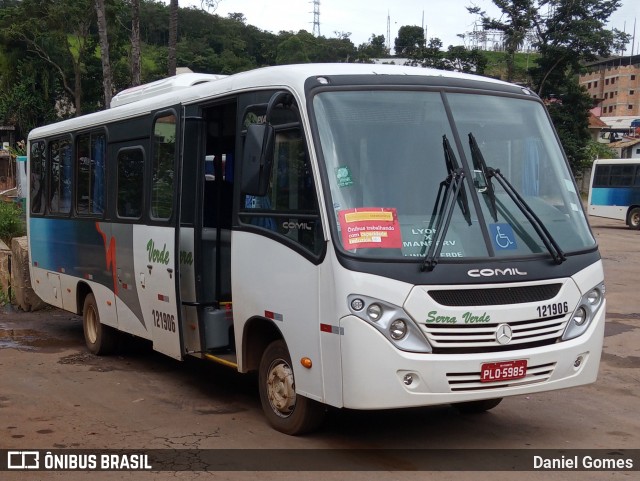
(257, 159)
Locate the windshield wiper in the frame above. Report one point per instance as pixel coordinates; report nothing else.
(480, 167)
(537, 224)
(453, 188)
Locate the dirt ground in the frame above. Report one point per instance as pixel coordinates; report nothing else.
(55, 395)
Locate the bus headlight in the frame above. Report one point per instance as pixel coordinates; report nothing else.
(391, 321)
(374, 311)
(584, 313)
(580, 316)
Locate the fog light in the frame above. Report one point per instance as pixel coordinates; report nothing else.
(578, 361)
(580, 316)
(398, 329)
(408, 379)
(374, 311)
(357, 304)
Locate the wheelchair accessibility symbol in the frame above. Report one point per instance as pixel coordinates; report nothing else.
(503, 237)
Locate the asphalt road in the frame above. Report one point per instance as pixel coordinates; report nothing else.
(55, 395)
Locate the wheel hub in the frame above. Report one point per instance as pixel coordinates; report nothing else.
(92, 328)
(281, 388)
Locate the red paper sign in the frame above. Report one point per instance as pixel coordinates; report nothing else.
(370, 227)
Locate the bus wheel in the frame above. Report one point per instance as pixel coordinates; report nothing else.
(286, 411)
(633, 220)
(100, 339)
(475, 407)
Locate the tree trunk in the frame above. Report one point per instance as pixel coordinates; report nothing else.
(104, 53)
(77, 90)
(136, 77)
(173, 35)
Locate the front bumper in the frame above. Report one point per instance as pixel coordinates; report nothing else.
(373, 369)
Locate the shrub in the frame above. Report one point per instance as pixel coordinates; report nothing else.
(11, 221)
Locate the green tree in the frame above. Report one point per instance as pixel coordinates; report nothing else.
(107, 76)
(291, 50)
(431, 56)
(136, 52)
(575, 32)
(569, 110)
(566, 33)
(516, 21)
(173, 36)
(57, 32)
(462, 59)
(409, 41)
(27, 99)
(597, 150)
(374, 48)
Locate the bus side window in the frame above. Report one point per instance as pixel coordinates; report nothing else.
(90, 168)
(38, 177)
(60, 177)
(164, 153)
(291, 195)
(130, 178)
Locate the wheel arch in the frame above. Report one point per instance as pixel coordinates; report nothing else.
(629, 212)
(257, 334)
(82, 291)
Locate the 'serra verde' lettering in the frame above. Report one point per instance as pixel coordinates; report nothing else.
(155, 255)
(186, 258)
(433, 316)
(467, 317)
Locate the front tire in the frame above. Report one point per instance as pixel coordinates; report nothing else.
(100, 339)
(286, 411)
(476, 407)
(633, 219)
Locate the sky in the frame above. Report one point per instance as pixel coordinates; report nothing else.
(444, 19)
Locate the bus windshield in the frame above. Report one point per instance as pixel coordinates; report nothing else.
(403, 164)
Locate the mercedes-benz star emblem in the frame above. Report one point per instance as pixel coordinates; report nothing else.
(504, 334)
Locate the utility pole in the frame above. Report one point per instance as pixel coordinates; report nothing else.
(388, 33)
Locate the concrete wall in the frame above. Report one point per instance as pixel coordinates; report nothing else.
(14, 275)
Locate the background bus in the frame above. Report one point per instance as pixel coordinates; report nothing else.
(614, 191)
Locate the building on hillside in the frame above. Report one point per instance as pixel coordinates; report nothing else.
(596, 127)
(626, 148)
(614, 85)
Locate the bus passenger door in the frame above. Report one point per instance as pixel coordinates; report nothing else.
(155, 243)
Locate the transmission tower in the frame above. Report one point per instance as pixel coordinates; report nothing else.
(316, 18)
(388, 32)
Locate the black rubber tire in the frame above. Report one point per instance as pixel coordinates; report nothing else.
(476, 407)
(100, 339)
(633, 219)
(286, 411)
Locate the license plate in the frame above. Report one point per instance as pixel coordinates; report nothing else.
(503, 371)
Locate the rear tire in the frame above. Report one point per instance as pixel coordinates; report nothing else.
(476, 407)
(100, 339)
(633, 219)
(286, 411)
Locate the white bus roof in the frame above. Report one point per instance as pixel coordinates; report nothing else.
(189, 88)
(617, 161)
(153, 89)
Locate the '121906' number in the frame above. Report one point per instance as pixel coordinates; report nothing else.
(164, 321)
(554, 309)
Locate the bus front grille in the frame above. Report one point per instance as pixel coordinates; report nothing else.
(496, 296)
(471, 338)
